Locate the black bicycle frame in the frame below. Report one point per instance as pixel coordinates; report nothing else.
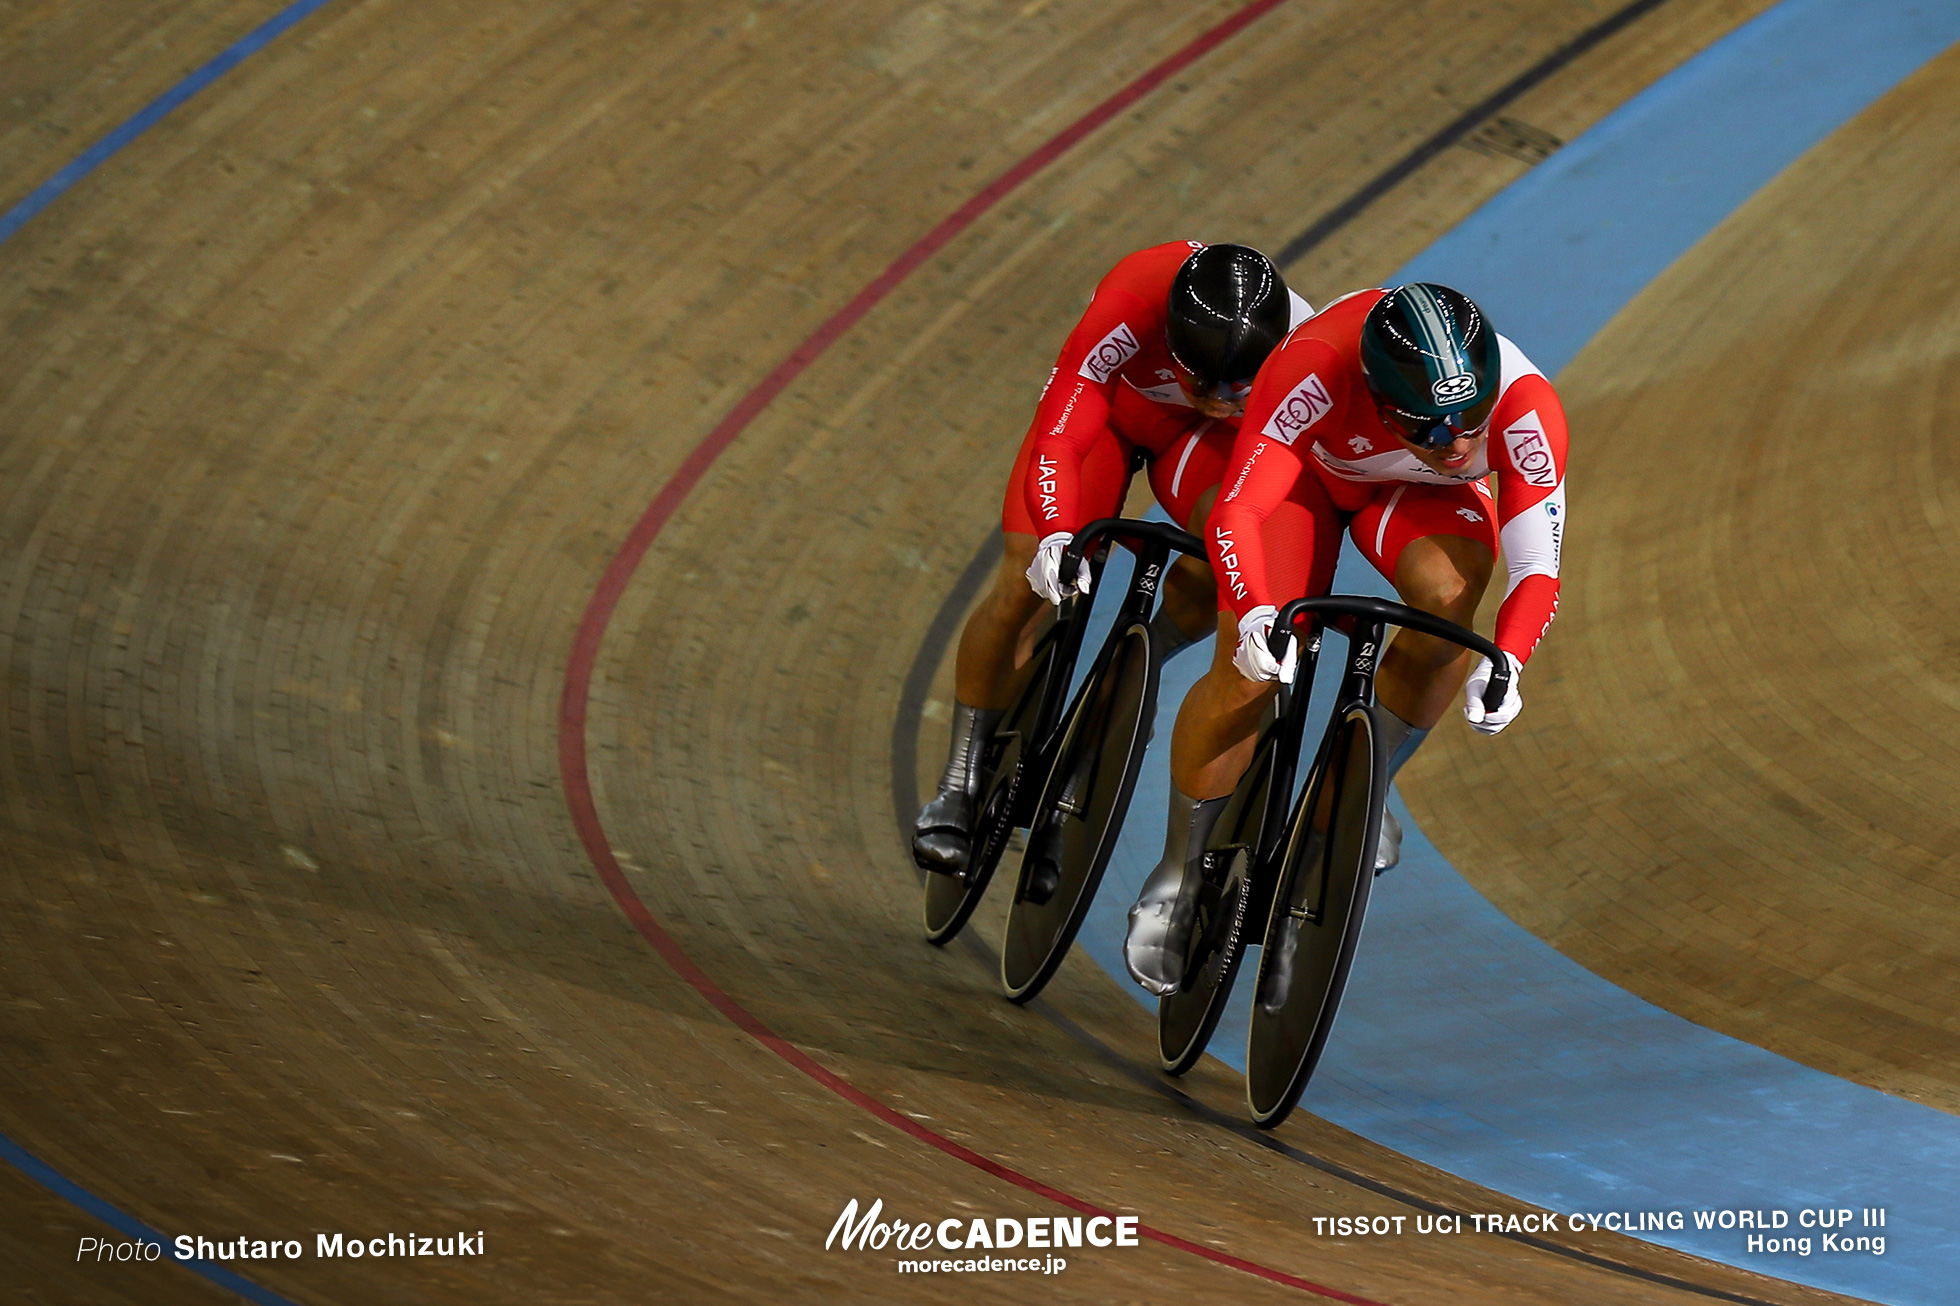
(1154, 542)
(1372, 618)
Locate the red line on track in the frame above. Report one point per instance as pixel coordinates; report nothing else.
(598, 615)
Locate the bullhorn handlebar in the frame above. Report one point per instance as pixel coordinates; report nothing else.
(1395, 614)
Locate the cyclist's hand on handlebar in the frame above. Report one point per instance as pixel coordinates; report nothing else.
(1484, 722)
(1045, 572)
(1255, 659)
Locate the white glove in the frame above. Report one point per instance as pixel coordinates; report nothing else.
(1490, 723)
(1255, 659)
(1045, 572)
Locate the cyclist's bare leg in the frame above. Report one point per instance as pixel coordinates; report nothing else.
(999, 634)
(1190, 593)
(1420, 675)
(1217, 728)
(998, 638)
(1219, 722)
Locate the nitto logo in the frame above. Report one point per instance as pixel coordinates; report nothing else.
(1525, 441)
(1228, 558)
(1305, 404)
(1110, 353)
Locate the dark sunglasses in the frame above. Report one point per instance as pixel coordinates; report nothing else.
(1231, 392)
(1434, 432)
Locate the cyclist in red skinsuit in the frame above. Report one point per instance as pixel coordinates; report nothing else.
(1116, 391)
(1120, 390)
(1329, 441)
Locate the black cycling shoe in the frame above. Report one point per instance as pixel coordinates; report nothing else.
(1276, 971)
(1276, 975)
(1044, 864)
(942, 837)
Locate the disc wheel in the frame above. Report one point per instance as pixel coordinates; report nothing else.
(1083, 802)
(1187, 1018)
(1319, 899)
(950, 899)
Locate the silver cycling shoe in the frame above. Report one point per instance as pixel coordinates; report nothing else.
(1388, 850)
(1160, 927)
(942, 837)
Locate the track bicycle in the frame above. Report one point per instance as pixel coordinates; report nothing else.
(1090, 772)
(1303, 866)
(1020, 744)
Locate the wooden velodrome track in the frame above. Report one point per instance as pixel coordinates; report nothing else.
(327, 404)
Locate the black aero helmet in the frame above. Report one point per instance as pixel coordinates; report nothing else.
(1228, 310)
(1428, 351)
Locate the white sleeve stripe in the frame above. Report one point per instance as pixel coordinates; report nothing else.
(1531, 540)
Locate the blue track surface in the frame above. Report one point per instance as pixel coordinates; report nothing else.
(1465, 1041)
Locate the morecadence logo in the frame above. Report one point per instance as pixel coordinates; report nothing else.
(871, 1232)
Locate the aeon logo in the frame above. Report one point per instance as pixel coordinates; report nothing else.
(1530, 453)
(1305, 404)
(1110, 353)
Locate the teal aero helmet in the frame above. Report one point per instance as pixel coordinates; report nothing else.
(1429, 353)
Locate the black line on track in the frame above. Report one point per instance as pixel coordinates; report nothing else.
(1405, 167)
(905, 799)
(945, 622)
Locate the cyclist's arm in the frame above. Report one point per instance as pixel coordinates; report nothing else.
(1289, 405)
(1074, 410)
(1528, 445)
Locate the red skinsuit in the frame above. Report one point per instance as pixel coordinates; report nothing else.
(1313, 454)
(1112, 392)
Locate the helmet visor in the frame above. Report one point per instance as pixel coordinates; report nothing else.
(1426, 431)
(1224, 392)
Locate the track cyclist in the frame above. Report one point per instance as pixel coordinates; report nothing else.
(1386, 414)
(1160, 367)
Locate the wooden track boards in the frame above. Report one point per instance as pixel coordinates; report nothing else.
(1742, 739)
(326, 405)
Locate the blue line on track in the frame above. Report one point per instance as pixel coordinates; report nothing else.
(51, 1179)
(10, 223)
(1467, 1042)
(54, 187)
